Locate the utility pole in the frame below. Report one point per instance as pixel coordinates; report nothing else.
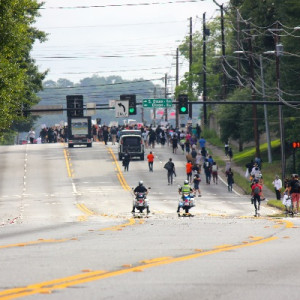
(166, 109)
(265, 111)
(204, 96)
(280, 112)
(190, 69)
(238, 40)
(154, 109)
(177, 82)
(224, 89)
(254, 107)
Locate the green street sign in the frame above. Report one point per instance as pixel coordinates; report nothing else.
(157, 103)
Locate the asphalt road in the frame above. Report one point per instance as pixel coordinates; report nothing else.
(66, 232)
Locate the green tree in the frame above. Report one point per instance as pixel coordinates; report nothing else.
(19, 77)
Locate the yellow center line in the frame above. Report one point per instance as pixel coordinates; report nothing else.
(67, 163)
(120, 174)
(119, 227)
(48, 286)
(34, 243)
(84, 209)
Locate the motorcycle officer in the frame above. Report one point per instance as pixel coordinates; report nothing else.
(186, 188)
(140, 189)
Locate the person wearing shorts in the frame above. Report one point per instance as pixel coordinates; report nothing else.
(196, 181)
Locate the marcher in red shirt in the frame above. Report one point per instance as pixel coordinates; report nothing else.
(256, 193)
(150, 158)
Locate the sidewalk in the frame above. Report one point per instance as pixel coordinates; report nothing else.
(220, 152)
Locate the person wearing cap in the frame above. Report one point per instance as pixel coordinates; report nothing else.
(277, 183)
(294, 192)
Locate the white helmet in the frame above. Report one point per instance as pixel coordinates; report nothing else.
(141, 182)
(186, 182)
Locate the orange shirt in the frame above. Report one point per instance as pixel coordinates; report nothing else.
(189, 168)
(150, 157)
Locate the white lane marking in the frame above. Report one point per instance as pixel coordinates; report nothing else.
(74, 188)
(226, 184)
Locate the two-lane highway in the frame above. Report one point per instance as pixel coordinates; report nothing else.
(67, 232)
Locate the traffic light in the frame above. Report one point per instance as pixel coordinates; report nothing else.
(183, 105)
(131, 103)
(75, 106)
(296, 145)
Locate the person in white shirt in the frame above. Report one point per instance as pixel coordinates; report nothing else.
(31, 135)
(278, 186)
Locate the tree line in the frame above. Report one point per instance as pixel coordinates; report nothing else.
(253, 28)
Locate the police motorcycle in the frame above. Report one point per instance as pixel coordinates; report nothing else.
(187, 199)
(140, 201)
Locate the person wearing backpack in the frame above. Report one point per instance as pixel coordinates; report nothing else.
(170, 167)
(256, 192)
(294, 192)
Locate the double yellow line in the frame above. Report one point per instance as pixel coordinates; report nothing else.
(120, 176)
(70, 172)
(48, 286)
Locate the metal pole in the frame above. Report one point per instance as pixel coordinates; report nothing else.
(280, 109)
(223, 51)
(254, 108)
(177, 82)
(166, 109)
(265, 111)
(190, 68)
(204, 73)
(154, 109)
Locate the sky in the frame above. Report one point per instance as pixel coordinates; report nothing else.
(117, 37)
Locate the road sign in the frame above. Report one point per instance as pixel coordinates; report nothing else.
(157, 102)
(121, 108)
(90, 111)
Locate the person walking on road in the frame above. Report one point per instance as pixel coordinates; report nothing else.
(230, 180)
(202, 142)
(207, 171)
(277, 186)
(189, 171)
(31, 135)
(150, 158)
(113, 133)
(170, 167)
(226, 147)
(197, 181)
(174, 143)
(126, 161)
(256, 192)
(294, 192)
(214, 171)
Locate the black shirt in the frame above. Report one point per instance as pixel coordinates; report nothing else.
(292, 185)
(140, 189)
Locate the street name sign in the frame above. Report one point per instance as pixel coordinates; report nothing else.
(157, 102)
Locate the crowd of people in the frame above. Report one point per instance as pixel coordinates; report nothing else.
(189, 142)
